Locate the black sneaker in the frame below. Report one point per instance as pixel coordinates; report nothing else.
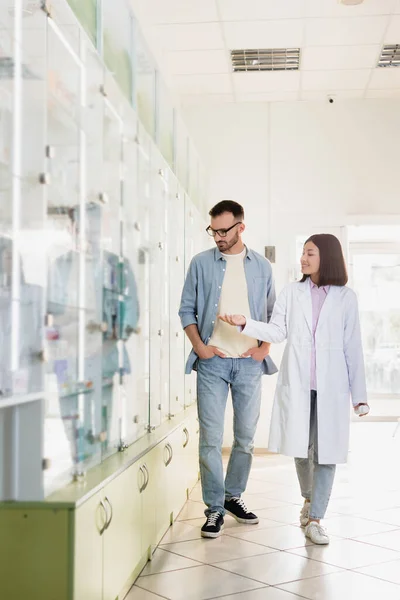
(214, 525)
(239, 511)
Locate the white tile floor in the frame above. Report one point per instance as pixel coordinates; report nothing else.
(273, 560)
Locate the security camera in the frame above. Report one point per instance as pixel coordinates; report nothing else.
(331, 100)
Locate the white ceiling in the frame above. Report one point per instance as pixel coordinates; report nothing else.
(340, 46)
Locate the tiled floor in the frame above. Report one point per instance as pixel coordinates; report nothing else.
(273, 560)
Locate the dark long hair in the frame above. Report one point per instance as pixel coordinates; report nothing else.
(332, 268)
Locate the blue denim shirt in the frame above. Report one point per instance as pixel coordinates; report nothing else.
(202, 289)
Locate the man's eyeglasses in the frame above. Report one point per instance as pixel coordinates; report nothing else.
(221, 232)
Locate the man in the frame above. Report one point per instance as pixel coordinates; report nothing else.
(229, 279)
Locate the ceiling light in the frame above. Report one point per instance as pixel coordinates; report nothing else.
(272, 59)
(390, 56)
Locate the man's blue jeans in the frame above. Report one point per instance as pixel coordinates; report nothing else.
(214, 378)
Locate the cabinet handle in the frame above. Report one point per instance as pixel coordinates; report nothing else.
(171, 453)
(186, 432)
(107, 525)
(166, 463)
(102, 530)
(141, 487)
(146, 483)
(168, 447)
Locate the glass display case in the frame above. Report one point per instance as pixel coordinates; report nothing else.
(181, 152)
(117, 43)
(159, 290)
(73, 300)
(195, 242)
(145, 83)
(136, 253)
(176, 281)
(166, 123)
(193, 186)
(87, 13)
(96, 233)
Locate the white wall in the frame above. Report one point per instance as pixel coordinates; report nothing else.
(299, 168)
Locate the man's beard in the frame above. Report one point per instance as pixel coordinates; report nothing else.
(228, 245)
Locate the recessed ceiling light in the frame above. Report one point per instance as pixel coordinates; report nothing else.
(272, 59)
(390, 56)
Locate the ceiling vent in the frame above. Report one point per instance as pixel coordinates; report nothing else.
(274, 59)
(390, 56)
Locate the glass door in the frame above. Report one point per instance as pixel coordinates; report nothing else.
(176, 281)
(70, 407)
(136, 285)
(189, 252)
(115, 359)
(159, 294)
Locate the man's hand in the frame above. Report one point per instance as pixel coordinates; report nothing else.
(258, 352)
(206, 352)
(235, 320)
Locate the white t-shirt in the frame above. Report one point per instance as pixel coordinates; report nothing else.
(233, 300)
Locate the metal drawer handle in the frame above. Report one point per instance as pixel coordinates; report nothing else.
(102, 530)
(166, 460)
(111, 513)
(141, 487)
(186, 432)
(171, 451)
(147, 475)
(168, 447)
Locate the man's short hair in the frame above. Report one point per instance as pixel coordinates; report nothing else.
(227, 206)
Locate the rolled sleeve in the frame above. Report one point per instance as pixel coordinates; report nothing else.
(188, 307)
(187, 320)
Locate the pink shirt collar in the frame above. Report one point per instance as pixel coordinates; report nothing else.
(324, 287)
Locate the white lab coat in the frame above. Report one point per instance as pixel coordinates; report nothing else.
(339, 368)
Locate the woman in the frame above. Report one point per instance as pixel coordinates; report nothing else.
(322, 365)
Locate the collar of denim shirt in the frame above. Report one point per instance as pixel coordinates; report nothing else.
(219, 256)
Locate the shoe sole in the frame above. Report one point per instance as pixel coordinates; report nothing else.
(207, 534)
(318, 543)
(244, 521)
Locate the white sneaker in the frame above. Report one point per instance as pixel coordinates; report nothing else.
(305, 514)
(316, 533)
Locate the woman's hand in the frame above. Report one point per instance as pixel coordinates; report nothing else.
(360, 410)
(235, 320)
